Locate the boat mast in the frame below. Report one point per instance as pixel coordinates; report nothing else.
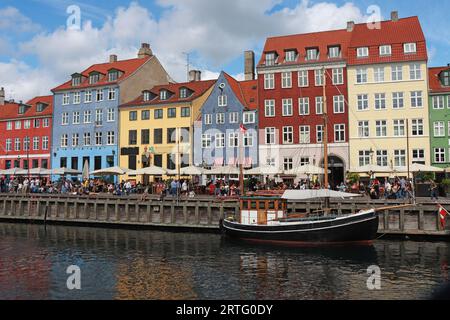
(325, 129)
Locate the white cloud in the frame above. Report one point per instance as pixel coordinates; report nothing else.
(215, 32)
(12, 20)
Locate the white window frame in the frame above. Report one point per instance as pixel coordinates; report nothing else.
(303, 79)
(303, 106)
(361, 75)
(304, 134)
(339, 128)
(380, 128)
(338, 104)
(269, 108)
(410, 48)
(439, 128)
(286, 80)
(288, 132)
(398, 100)
(362, 52)
(287, 106)
(385, 50)
(269, 81)
(363, 129)
(338, 76)
(270, 135)
(319, 105)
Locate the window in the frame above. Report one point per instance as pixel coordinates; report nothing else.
(185, 112)
(64, 141)
(132, 116)
(75, 139)
(65, 99)
(399, 158)
(418, 156)
(416, 99)
(40, 107)
(439, 129)
(22, 109)
(17, 144)
(99, 117)
(382, 158)
(77, 98)
(288, 135)
(76, 117)
(220, 140)
(157, 136)
(380, 101)
(304, 161)
(233, 140)
(27, 124)
(287, 107)
(312, 54)
(409, 48)
(438, 102)
(334, 52)
(286, 79)
(361, 75)
(8, 145)
(46, 122)
(303, 80)
(100, 95)
(37, 123)
(88, 96)
(113, 76)
(220, 118)
(234, 117)
(76, 81)
(206, 141)
(147, 95)
(397, 73)
(415, 72)
(248, 139)
(319, 105)
(111, 115)
(381, 128)
(132, 137)
(163, 95)
(26, 144)
(364, 158)
(398, 100)
(249, 117)
(111, 138)
(305, 136)
(171, 113)
(270, 135)
(9, 125)
(65, 119)
(338, 76)
(379, 74)
(288, 164)
(18, 125)
(44, 143)
(439, 155)
(303, 106)
(222, 100)
(318, 76)
(270, 59)
(87, 116)
(171, 135)
(399, 128)
(319, 133)
(363, 102)
(158, 114)
(269, 108)
(363, 129)
(94, 78)
(338, 104)
(98, 138)
(385, 50)
(183, 93)
(112, 94)
(445, 78)
(291, 56)
(145, 136)
(208, 119)
(269, 81)
(362, 52)
(339, 133)
(417, 127)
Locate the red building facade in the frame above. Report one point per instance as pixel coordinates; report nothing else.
(26, 131)
(291, 117)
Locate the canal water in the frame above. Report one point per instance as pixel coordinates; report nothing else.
(123, 264)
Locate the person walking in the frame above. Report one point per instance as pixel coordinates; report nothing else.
(433, 190)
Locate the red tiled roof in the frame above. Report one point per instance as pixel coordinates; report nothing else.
(301, 42)
(198, 88)
(435, 84)
(394, 33)
(128, 67)
(245, 91)
(11, 110)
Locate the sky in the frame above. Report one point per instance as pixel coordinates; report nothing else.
(38, 51)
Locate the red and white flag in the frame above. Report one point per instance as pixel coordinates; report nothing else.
(442, 215)
(243, 129)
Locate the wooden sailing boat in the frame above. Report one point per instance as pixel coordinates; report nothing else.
(264, 218)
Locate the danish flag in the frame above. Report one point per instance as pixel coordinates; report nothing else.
(442, 215)
(243, 129)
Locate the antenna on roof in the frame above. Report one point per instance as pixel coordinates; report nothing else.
(188, 67)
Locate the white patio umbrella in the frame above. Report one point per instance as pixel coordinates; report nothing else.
(372, 168)
(306, 169)
(65, 172)
(415, 167)
(14, 172)
(187, 171)
(40, 171)
(151, 171)
(225, 170)
(264, 171)
(113, 171)
(85, 173)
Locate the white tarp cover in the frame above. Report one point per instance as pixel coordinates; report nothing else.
(316, 194)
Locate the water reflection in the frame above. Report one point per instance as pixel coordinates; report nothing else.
(120, 264)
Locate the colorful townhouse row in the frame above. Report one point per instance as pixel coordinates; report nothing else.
(384, 106)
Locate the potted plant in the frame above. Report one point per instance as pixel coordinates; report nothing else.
(446, 185)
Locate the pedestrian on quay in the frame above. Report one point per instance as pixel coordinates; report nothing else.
(433, 190)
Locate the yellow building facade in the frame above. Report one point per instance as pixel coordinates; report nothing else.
(157, 128)
(388, 114)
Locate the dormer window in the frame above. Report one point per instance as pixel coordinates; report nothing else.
(312, 54)
(362, 52)
(147, 95)
(445, 78)
(40, 107)
(22, 109)
(334, 52)
(183, 93)
(94, 78)
(270, 59)
(409, 48)
(291, 56)
(222, 100)
(385, 50)
(163, 95)
(113, 76)
(76, 81)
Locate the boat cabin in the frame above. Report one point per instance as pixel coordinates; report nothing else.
(261, 210)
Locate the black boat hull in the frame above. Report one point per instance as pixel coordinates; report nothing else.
(360, 228)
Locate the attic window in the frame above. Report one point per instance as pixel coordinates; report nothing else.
(146, 96)
(183, 93)
(270, 59)
(334, 52)
(312, 54)
(163, 95)
(410, 48)
(94, 78)
(291, 56)
(22, 109)
(445, 78)
(362, 52)
(76, 81)
(40, 107)
(113, 76)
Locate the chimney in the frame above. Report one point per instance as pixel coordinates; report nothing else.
(112, 58)
(394, 16)
(145, 51)
(350, 26)
(198, 75)
(2, 96)
(195, 75)
(249, 65)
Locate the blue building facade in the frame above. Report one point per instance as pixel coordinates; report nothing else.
(218, 138)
